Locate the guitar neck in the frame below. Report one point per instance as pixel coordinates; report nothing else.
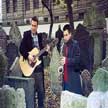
(44, 49)
(41, 52)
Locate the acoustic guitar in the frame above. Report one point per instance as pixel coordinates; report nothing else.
(27, 67)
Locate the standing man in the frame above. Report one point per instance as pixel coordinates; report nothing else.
(70, 61)
(30, 40)
(59, 36)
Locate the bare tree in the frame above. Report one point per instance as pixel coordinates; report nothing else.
(48, 5)
(68, 4)
(70, 12)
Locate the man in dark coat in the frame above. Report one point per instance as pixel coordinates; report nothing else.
(70, 61)
(30, 40)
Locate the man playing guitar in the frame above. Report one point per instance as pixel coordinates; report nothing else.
(32, 39)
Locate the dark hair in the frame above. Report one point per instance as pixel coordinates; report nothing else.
(67, 27)
(35, 19)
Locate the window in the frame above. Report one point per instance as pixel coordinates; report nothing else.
(14, 5)
(106, 13)
(81, 16)
(27, 21)
(55, 2)
(7, 6)
(27, 5)
(8, 23)
(35, 4)
(16, 22)
(56, 18)
(45, 19)
(66, 17)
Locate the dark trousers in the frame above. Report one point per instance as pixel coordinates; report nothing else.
(39, 88)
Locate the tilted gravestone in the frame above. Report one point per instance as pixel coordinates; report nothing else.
(11, 53)
(15, 69)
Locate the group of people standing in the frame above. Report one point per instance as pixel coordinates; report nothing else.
(70, 59)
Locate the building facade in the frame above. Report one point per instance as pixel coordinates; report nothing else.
(21, 11)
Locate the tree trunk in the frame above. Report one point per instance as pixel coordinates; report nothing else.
(70, 13)
(49, 8)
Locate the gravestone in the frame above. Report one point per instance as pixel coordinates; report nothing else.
(86, 49)
(11, 53)
(72, 100)
(14, 34)
(104, 46)
(105, 40)
(11, 98)
(3, 39)
(12, 48)
(94, 21)
(27, 84)
(100, 80)
(54, 74)
(15, 69)
(95, 99)
(3, 66)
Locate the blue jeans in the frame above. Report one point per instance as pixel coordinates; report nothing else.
(39, 88)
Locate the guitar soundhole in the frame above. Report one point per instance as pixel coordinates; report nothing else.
(32, 64)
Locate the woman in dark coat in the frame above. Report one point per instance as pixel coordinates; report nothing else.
(70, 61)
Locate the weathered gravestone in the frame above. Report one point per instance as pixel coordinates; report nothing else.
(100, 80)
(11, 53)
(95, 99)
(12, 49)
(98, 97)
(94, 21)
(54, 74)
(27, 84)
(3, 39)
(15, 69)
(105, 100)
(107, 47)
(72, 100)
(3, 66)
(105, 44)
(14, 34)
(13, 60)
(11, 98)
